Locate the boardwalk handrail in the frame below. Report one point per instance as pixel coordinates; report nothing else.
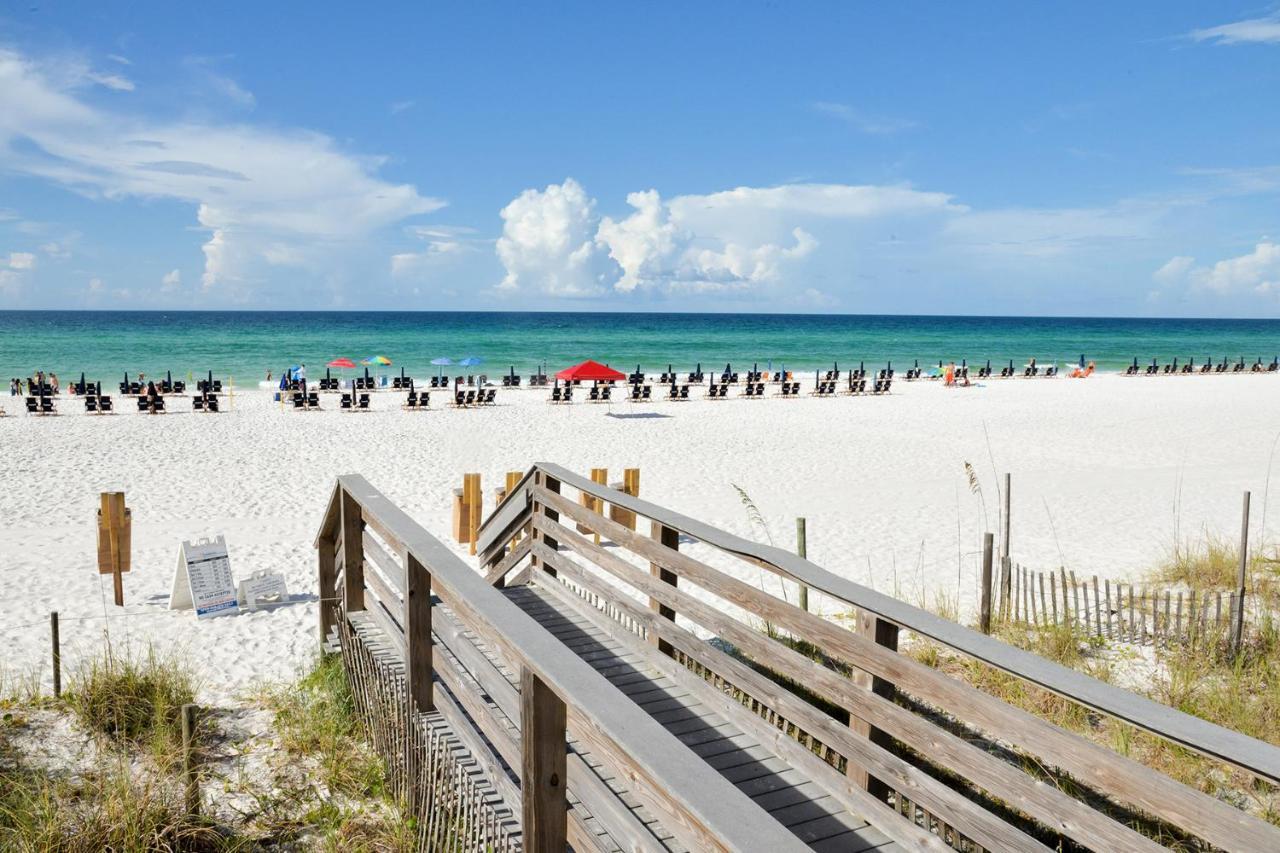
(694, 802)
(1249, 754)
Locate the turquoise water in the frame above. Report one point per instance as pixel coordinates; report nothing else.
(246, 345)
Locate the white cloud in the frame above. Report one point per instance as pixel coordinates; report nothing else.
(117, 58)
(118, 82)
(21, 260)
(171, 281)
(1265, 30)
(95, 285)
(1174, 270)
(1257, 271)
(874, 125)
(398, 107)
(736, 239)
(548, 242)
(256, 190)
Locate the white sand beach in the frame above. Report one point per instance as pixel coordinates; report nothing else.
(1105, 472)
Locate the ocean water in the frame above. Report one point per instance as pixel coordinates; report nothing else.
(245, 345)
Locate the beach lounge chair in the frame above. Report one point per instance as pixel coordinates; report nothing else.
(605, 393)
(487, 396)
(1006, 372)
(634, 396)
(211, 404)
(313, 400)
(556, 396)
(33, 406)
(881, 386)
(750, 391)
(91, 404)
(143, 405)
(459, 399)
(345, 402)
(594, 396)
(1189, 367)
(1274, 365)
(1238, 367)
(411, 402)
(364, 403)
(197, 404)
(298, 400)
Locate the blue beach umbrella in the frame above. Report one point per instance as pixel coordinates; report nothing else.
(441, 361)
(469, 361)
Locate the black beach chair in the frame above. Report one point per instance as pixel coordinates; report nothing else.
(91, 404)
(104, 404)
(364, 403)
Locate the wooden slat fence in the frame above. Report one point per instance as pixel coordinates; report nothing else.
(1127, 612)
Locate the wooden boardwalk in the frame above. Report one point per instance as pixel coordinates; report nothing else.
(793, 799)
(591, 687)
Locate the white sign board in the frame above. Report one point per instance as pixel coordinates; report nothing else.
(203, 579)
(261, 589)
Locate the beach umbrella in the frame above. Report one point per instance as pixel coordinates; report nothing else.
(440, 362)
(470, 361)
(343, 362)
(590, 370)
(380, 359)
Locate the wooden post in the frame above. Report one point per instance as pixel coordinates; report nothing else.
(57, 653)
(668, 538)
(190, 782)
(630, 485)
(984, 610)
(328, 584)
(417, 634)
(543, 760)
(1237, 617)
(1005, 568)
(803, 550)
(114, 541)
(513, 480)
(352, 554)
(473, 502)
(885, 634)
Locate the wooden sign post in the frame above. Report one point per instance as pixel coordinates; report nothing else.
(115, 525)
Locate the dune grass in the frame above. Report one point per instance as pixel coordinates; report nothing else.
(134, 698)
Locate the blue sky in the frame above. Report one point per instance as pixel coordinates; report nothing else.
(998, 158)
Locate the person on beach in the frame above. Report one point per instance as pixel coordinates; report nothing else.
(15, 388)
(53, 382)
(302, 373)
(949, 375)
(151, 391)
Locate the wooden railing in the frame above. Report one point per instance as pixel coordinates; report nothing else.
(379, 568)
(967, 766)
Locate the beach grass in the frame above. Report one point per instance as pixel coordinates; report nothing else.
(135, 697)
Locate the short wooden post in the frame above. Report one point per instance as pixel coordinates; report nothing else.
(1005, 567)
(328, 587)
(984, 610)
(883, 633)
(802, 548)
(543, 760)
(190, 781)
(1237, 617)
(513, 480)
(57, 653)
(352, 554)
(473, 501)
(668, 538)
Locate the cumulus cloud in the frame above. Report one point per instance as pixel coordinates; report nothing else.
(1257, 271)
(171, 281)
(1265, 30)
(21, 260)
(257, 191)
(548, 242)
(731, 240)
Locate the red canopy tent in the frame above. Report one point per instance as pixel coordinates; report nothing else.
(590, 371)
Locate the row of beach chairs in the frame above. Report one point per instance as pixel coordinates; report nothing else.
(481, 397)
(1208, 367)
(720, 391)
